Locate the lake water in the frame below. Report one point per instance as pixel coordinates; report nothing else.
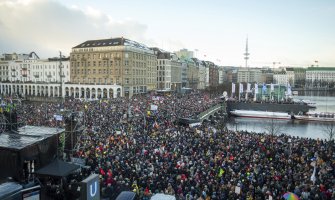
(292, 127)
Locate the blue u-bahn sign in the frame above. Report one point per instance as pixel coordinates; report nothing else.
(90, 188)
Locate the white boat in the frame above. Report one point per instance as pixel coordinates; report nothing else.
(260, 114)
(321, 117)
(309, 103)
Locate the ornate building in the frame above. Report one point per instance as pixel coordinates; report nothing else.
(116, 61)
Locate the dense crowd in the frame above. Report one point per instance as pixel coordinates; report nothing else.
(133, 146)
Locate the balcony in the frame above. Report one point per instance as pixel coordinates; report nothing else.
(13, 75)
(36, 76)
(24, 75)
(13, 70)
(49, 76)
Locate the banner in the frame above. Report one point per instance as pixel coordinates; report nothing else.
(248, 87)
(272, 87)
(232, 87)
(241, 88)
(153, 107)
(155, 98)
(289, 91)
(264, 88)
(256, 88)
(58, 117)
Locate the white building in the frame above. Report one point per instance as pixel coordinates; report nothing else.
(280, 78)
(29, 68)
(320, 75)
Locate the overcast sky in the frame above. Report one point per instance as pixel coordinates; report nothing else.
(292, 32)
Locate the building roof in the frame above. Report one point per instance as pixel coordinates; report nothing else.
(321, 69)
(26, 136)
(160, 53)
(111, 42)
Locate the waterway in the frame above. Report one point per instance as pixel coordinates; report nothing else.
(325, 102)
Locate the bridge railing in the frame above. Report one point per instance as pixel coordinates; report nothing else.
(211, 110)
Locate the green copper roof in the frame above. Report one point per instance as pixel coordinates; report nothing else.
(321, 69)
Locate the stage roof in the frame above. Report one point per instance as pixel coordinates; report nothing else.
(58, 168)
(26, 136)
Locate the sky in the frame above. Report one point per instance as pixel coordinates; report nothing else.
(292, 33)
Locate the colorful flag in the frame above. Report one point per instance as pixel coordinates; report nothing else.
(256, 88)
(221, 172)
(264, 88)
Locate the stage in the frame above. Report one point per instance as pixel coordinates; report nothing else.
(24, 151)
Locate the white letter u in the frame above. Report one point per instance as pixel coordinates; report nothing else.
(95, 189)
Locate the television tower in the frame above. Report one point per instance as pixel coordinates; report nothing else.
(246, 54)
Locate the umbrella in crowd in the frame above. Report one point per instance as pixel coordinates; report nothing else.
(290, 196)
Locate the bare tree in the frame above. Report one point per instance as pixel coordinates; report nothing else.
(329, 131)
(274, 128)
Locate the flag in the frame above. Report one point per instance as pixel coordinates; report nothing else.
(289, 91)
(248, 87)
(264, 88)
(102, 172)
(155, 125)
(256, 88)
(241, 88)
(221, 172)
(272, 87)
(233, 87)
(313, 178)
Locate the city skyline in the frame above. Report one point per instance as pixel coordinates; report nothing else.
(290, 33)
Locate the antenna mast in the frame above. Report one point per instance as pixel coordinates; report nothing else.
(246, 54)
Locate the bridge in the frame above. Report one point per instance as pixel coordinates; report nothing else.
(211, 111)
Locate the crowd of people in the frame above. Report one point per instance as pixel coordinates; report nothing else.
(136, 144)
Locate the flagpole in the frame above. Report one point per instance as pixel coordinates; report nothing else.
(278, 92)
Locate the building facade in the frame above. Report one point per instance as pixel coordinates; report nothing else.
(168, 70)
(201, 73)
(320, 76)
(280, 78)
(117, 61)
(184, 54)
(29, 68)
(248, 75)
(299, 77)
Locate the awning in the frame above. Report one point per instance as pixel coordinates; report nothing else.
(58, 168)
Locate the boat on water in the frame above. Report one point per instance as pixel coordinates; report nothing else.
(260, 114)
(309, 103)
(321, 117)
